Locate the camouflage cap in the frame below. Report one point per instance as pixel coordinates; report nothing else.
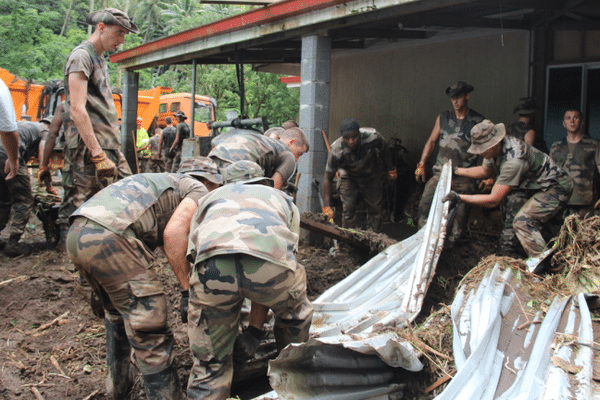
(202, 167)
(485, 135)
(244, 171)
(459, 87)
(112, 16)
(526, 106)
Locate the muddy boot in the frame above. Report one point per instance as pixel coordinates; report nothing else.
(13, 248)
(163, 385)
(246, 344)
(61, 247)
(120, 371)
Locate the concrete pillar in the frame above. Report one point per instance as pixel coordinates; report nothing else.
(314, 117)
(129, 105)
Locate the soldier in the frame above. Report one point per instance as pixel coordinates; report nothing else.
(92, 128)
(364, 160)
(111, 242)
(579, 156)
(19, 188)
(242, 245)
(155, 162)
(182, 131)
(168, 139)
(452, 132)
(523, 127)
(522, 167)
(10, 139)
(277, 158)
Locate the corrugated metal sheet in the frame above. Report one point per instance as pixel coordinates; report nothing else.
(350, 355)
(502, 353)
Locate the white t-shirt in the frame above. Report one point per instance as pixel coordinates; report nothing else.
(8, 120)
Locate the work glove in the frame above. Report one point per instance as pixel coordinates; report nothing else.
(486, 184)
(453, 198)
(105, 168)
(172, 153)
(184, 305)
(43, 174)
(393, 175)
(328, 211)
(420, 172)
(246, 343)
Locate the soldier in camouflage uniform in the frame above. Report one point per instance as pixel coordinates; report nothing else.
(168, 135)
(19, 188)
(452, 131)
(182, 132)
(91, 121)
(521, 167)
(579, 156)
(364, 160)
(277, 158)
(156, 163)
(242, 245)
(111, 242)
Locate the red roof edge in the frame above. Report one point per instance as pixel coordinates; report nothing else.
(290, 79)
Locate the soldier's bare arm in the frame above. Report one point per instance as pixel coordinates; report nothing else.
(176, 240)
(480, 172)
(499, 192)
(10, 140)
(78, 94)
(431, 142)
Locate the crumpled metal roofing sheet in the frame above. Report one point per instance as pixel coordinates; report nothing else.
(500, 353)
(349, 355)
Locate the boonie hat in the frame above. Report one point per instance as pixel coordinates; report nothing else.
(46, 120)
(180, 114)
(459, 87)
(526, 106)
(485, 135)
(203, 167)
(112, 16)
(244, 171)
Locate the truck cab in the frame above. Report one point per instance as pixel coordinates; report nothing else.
(204, 110)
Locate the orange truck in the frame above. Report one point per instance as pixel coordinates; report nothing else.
(205, 110)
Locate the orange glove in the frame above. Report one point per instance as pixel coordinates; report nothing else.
(328, 211)
(43, 173)
(420, 172)
(105, 168)
(392, 175)
(486, 184)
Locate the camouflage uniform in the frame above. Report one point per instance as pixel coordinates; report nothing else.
(79, 173)
(239, 144)
(155, 162)
(168, 138)
(362, 171)
(111, 242)
(454, 141)
(183, 130)
(16, 193)
(242, 245)
(540, 189)
(581, 161)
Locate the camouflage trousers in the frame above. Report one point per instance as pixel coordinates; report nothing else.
(15, 195)
(79, 178)
(372, 195)
(218, 287)
(176, 161)
(168, 161)
(155, 165)
(118, 269)
(461, 215)
(525, 216)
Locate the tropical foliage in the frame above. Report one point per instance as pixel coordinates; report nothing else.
(36, 39)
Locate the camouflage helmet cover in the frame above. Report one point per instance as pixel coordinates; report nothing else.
(203, 167)
(243, 171)
(112, 16)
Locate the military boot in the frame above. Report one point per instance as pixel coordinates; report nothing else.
(120, 371)
(163, 385)
(13, 248)
(62, 238)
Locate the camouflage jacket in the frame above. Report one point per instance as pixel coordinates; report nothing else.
(581, 161)
(99, 103)
(540, 171)
(371, 158)
(246, 218)
(455, 140)
(241, 144)
(143, 203)
(30, 134)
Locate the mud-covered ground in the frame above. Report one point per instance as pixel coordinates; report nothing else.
(52, 346)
